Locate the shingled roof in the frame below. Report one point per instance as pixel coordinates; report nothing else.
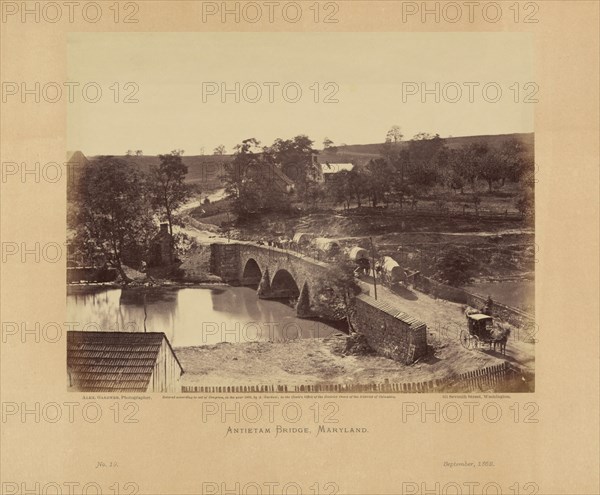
(113, 361)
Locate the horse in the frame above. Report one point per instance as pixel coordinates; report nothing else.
(501, 341)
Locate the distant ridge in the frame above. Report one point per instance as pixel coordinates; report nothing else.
(361, 153)
(205, 170)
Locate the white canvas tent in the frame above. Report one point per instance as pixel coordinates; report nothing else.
(392, 270)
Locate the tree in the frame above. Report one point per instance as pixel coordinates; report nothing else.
(379, 175)
(358, 184)
(425, 153)
(517, 160)
(400, 190)
(339, 189)
(335, 294)
(470, 157)
(455, 267)
(327, 143)
(234, 176)
(139, 153)
(167, 188)
(453, 175)
(394, 135)
(252, 180)
(219, 150)
(113, 216)
(298, 161)
(491, 167)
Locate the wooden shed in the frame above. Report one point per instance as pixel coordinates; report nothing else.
(122, 362)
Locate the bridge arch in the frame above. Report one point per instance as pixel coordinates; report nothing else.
(251, 274)
(284, 285)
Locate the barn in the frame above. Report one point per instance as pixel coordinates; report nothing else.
(122, 362)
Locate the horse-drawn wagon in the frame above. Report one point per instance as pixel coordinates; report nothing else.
(391, 272)
(481, 330)
(360, 257)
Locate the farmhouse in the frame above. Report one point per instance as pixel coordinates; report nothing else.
(122, 362)
(281, 181)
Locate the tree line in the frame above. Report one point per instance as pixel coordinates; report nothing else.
(403, 172)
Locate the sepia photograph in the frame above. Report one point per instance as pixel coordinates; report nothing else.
(316, 247)
(301, 212)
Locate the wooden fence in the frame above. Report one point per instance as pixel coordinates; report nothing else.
(492, 378)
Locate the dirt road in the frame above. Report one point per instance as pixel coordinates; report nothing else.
(445, 320)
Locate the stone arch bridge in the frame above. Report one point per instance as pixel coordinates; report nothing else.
(278, 274)
(281, 274)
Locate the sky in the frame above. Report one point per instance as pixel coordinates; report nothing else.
(353, 88)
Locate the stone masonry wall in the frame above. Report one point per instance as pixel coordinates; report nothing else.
(388, 331)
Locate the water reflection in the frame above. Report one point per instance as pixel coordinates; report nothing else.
(513, 293)
(191, 316)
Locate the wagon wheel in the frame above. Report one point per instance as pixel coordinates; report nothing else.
(465, 339)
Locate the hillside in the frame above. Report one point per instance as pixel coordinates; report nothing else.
(362, 153)
(204, 170)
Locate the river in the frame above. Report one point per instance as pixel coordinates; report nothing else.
(518, 293)
(190, 316)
